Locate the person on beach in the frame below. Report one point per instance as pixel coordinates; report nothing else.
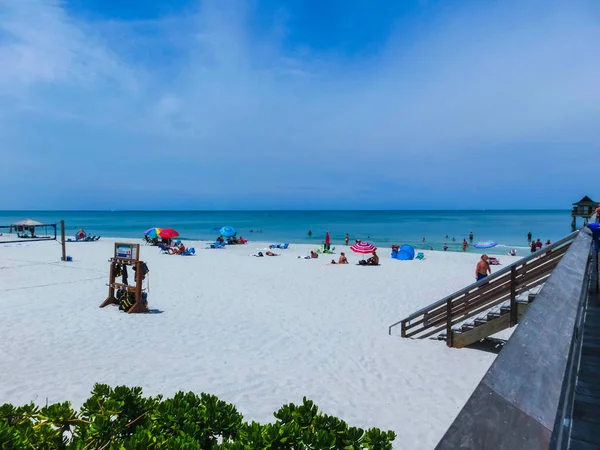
(270, 253)
(309, 233)
(347, 238)
(482, 268)
(445, 247)
(430, 247)
(373, 260)
(538, 244)
(453, 239)
(464, 245)
(529, 237)
(513, 252)
(314, 254)
(342, 260)
(533, 247)
(471, 236)
(423, 240)
(547, 242)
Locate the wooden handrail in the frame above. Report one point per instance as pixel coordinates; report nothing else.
(529, 271)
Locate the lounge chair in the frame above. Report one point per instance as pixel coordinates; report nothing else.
(165, 249)
(189, 252)
(420, 256)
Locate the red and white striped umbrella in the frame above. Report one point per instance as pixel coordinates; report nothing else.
(363, 248)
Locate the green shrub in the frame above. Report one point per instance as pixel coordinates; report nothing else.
(122, 419)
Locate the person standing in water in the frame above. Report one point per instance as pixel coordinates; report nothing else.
(347, 238)
(464, 245)
(309, 233)
(529, 237)
(471, 236)
(482, 268)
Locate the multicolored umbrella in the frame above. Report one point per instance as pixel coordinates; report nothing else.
(485, 244)
(363, 248)
(152, 232)
(168, 233)
(227, 231)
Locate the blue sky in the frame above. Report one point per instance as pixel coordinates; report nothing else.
(219, 104)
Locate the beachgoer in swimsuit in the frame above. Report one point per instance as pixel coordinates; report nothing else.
(343, 259)
(373, 260)
(464, 245)
(529, 236)
(347, 238)
(538, 244)
(471, 236)
(445, 247)
(314, 254)
(270, 253)
(482, 268)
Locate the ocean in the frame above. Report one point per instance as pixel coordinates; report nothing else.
(383, 228)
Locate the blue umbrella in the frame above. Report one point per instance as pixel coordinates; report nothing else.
(485, 244)
(227, 231)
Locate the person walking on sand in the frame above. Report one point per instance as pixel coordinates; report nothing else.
(347, 238)
(482, 268)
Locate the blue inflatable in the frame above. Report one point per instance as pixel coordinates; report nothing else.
(406, 253)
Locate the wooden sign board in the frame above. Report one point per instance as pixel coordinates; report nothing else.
(126, 252)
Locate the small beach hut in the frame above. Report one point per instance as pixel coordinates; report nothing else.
(26, 225)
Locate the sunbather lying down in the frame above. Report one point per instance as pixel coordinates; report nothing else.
(267, 253)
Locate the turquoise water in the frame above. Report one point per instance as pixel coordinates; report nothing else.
(508, 228)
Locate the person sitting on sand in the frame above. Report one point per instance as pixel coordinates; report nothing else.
(314, 254)
(373, 260)
(482, 268)
(270, 253)
(513, 252)
(343, 259)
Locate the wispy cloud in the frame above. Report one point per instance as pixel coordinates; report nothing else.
(227, 113)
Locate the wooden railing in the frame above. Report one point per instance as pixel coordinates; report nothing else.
(475, 299)
(524, 401)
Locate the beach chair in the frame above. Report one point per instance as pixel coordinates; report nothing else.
(164, 248)
(493, 261)
(189, 252)
(420, 256)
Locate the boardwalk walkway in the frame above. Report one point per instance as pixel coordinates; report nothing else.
(585, 431)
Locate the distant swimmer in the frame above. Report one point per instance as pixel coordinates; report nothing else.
(529, 237)
(430, 247)
(482, 268)
(309, 232)
(347, 238)
(453, 239)
(471, 236)
(423, 240)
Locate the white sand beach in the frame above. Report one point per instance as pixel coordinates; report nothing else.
(257, 332)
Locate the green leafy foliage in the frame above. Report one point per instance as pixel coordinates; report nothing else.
(121, 418)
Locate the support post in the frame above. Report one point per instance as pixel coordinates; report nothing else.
(513, 297)
(138, 306)
(62, 240)
(449, 337)
(110, 300)
(403, 329)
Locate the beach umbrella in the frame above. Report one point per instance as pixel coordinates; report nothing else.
(227, 231)
(168, 233)
(327, 238)
(27, 223)
(152, 232)
(485, 244)
(363, 248)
